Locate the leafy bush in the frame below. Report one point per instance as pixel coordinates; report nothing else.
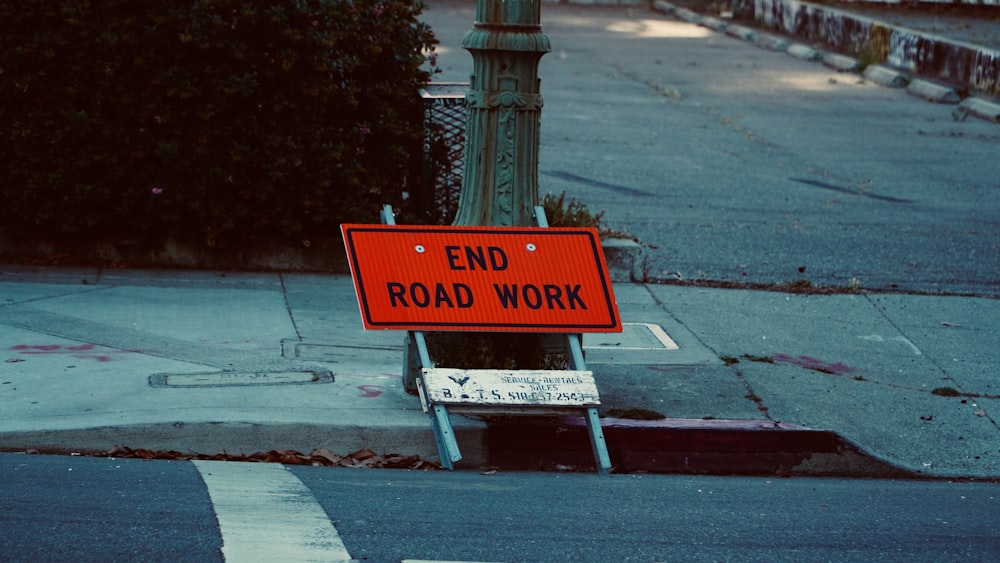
(210, 122)
(571, 213)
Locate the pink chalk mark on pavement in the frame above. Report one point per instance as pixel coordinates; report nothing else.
(80, 352)
(809, 362)
(370, 391)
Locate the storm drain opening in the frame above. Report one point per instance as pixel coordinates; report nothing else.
(238, 379)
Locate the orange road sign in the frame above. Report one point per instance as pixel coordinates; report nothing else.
(509, 279)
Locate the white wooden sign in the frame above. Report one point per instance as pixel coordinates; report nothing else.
(562, 388)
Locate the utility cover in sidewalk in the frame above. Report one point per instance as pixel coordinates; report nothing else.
(646, 343)
(238, 379)
(634, 336)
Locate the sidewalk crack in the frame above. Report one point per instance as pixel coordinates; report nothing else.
(753, 396)
(288, 307)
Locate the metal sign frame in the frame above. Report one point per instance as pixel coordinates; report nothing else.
(549, 392)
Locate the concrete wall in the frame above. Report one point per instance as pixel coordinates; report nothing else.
(966, 65)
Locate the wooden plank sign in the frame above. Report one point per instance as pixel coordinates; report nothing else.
(512, 279)
(563, 388)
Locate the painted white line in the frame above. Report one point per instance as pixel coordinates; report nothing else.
(266, 514)
(662, 336)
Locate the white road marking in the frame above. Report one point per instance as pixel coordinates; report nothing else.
(266, 514)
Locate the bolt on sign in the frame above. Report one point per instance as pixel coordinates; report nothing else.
(509, 279)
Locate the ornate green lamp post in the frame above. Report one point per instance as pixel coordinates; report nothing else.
(500, 185)
(500, 181)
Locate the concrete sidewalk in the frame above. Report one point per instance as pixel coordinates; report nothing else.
(752, 382)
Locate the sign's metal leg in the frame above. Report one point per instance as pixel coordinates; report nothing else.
(415, 358)
(387, 215)
(417, 368)
(411, 364)
(540, 219)
(577, 362)
(597, 443)
(422, 354)
(444, 435)
(575, 350)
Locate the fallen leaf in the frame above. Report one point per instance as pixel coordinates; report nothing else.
(362, 454)
(325, 456)
(320, 456)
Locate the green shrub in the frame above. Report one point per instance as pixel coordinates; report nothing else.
(211, 122)
(562, 212)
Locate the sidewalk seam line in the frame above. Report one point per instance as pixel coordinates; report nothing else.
(288, 307)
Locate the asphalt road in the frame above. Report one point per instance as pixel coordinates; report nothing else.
(87, 509)
(739, 164)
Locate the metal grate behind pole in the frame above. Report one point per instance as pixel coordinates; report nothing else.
(445, 116)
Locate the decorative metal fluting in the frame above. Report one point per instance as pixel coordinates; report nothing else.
(500, 183)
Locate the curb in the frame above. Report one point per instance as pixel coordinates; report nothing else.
(237, 437)
(684, 446)
(840, 63)
(772, 42)
(626, 260)
(982, 109)
(804, 52)
(739, 32)
(885, 76)
(670, 446)
(918, 52)
(933, 92)
(955, 57)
